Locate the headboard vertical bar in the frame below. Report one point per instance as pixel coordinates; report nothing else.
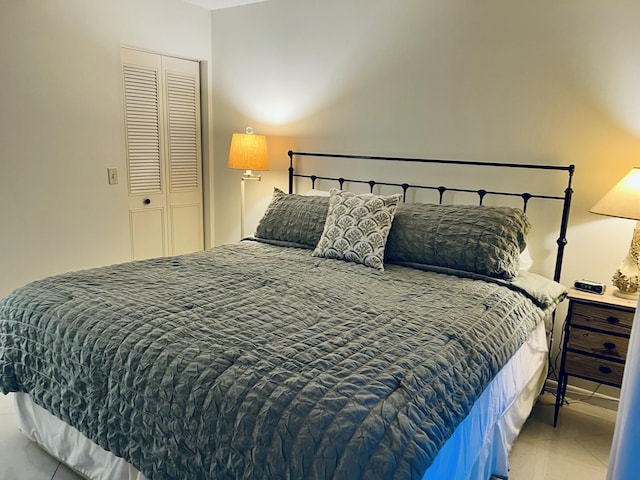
(290, 171)
(481, 194)
(562, 242)
(562, 239)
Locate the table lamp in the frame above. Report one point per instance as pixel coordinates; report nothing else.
(248, 152)
(623, 201)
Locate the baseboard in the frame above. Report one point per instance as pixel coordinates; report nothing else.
(552, 386)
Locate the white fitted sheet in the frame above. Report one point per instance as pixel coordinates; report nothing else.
(478, 448)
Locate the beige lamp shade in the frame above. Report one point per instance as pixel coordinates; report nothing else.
(623, 200)
(248, 152)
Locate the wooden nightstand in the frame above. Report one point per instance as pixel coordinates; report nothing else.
(596, 337)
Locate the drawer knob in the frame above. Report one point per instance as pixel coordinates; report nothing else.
(604, 369)
(613, 320)
(609, 345)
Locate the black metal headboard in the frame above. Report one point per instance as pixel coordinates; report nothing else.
(565, 198)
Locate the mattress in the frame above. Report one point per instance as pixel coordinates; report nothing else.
(258, 361)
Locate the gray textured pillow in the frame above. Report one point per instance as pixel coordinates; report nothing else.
(357, 227)
(480, 239)
(296, 219)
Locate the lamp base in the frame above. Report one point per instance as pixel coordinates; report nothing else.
(629, 296)
(248, 176)
(627, 276)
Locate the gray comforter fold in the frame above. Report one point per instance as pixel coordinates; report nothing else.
(261, 362)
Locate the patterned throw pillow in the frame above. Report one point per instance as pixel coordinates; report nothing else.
(357, 227)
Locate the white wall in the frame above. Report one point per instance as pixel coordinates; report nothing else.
(61, 125)
(540, 82)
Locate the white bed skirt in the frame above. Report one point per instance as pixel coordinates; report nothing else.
(478, 448)
(69, 445)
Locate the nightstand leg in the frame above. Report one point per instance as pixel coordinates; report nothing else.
(560, 392)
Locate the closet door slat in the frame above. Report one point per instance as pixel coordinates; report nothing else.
(182, 131)
(142, 129)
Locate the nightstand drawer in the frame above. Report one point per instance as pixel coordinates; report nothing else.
(598, 343)
(602, 317)
(595, 369)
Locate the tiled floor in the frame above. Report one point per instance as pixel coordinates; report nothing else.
(577, 449)
(21, 459)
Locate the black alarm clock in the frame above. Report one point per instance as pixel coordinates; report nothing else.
(589, 286)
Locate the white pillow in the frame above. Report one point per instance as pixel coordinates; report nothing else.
(525, 260)
(318, 193)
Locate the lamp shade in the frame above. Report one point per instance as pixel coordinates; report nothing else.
(623, 200)
(248, 152)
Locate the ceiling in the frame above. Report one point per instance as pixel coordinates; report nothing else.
(218, 4)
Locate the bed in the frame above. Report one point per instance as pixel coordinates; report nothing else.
(412, 348)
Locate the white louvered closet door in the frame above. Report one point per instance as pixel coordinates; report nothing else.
(162, 121)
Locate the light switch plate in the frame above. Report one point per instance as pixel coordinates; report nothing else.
(113, 176)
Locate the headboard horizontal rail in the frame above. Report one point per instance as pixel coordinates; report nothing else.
(568, 168)
(441, 189)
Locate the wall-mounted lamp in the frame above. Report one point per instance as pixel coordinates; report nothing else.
(623, 201)
(248, 152)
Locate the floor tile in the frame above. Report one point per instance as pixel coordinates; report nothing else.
(566, 460)
(6, 403)
(599, 446)
(21, 459)
(578, 448)
(65, 473)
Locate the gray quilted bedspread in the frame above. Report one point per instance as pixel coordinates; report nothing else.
(261, 362)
